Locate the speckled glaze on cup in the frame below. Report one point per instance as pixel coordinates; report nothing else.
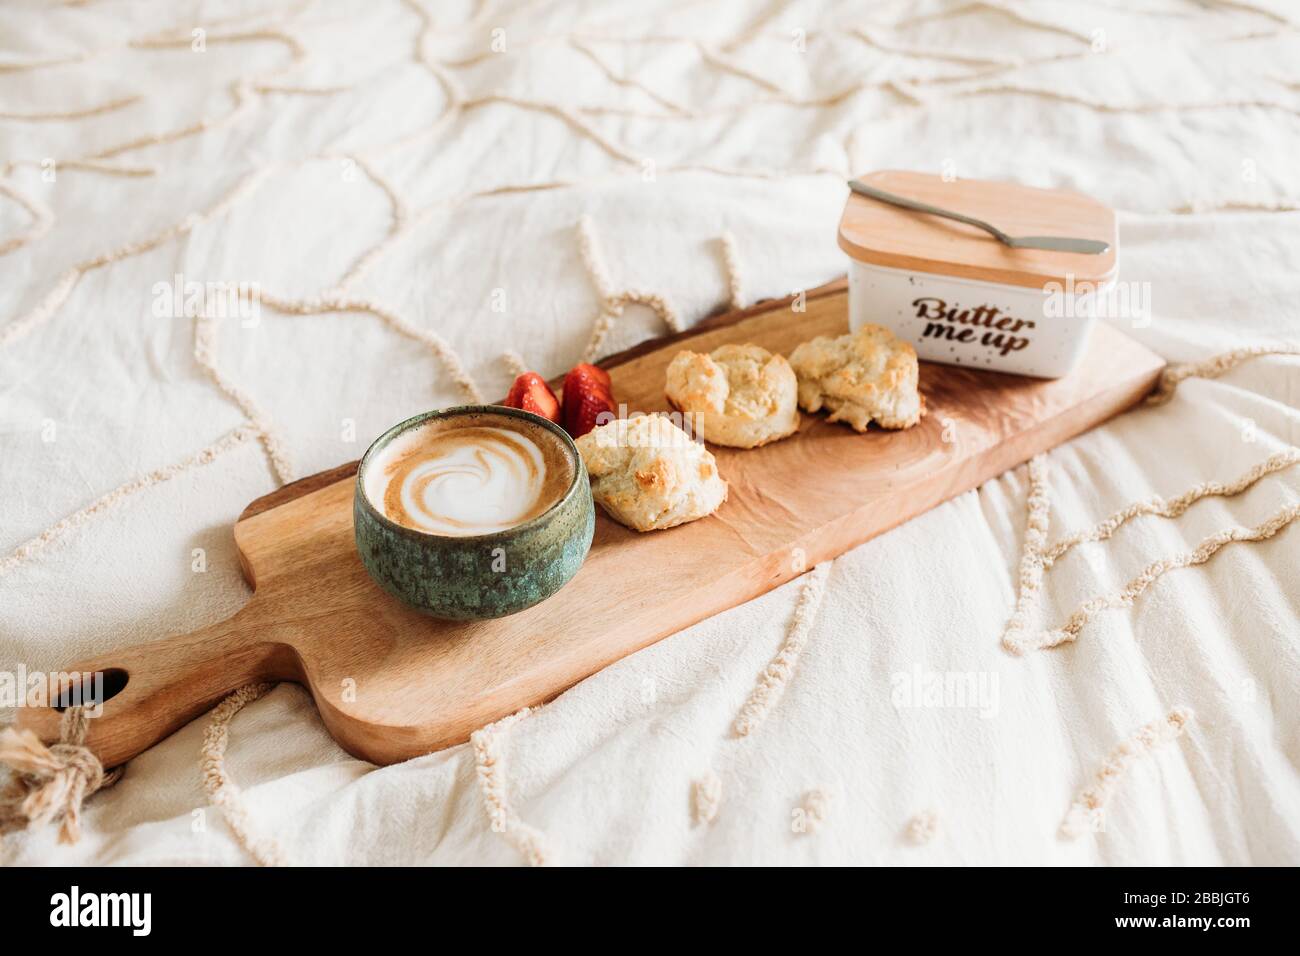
(454, 577)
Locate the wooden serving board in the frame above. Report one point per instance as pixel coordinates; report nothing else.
(391, 683)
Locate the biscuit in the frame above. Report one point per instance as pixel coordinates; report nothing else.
(739, 395)
(867, 375)
(648, 474)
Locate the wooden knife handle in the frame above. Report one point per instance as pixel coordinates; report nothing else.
(152, 690)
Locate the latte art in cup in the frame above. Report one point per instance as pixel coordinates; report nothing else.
(459, 477)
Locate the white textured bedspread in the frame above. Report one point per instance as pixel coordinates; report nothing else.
(405, 183)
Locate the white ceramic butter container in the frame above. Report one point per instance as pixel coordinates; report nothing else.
(963, 298)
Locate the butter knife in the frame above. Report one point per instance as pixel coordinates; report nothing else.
(1053, 243)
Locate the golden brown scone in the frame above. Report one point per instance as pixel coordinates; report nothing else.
(866, 375)
(739, 395)
(649, 474)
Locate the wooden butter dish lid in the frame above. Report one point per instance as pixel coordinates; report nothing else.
(878, 233)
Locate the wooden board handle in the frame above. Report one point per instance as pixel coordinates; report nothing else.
(152, 690)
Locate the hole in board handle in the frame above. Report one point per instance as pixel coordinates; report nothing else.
(98, 687)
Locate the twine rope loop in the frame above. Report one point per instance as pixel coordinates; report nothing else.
(50, 783)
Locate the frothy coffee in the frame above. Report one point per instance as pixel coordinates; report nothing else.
(469, 475)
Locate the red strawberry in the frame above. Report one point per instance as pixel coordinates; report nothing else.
(588, 393)
(589, 372)
(531, 393)
(584, 412)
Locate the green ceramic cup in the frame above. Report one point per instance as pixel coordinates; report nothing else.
(479, 576)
